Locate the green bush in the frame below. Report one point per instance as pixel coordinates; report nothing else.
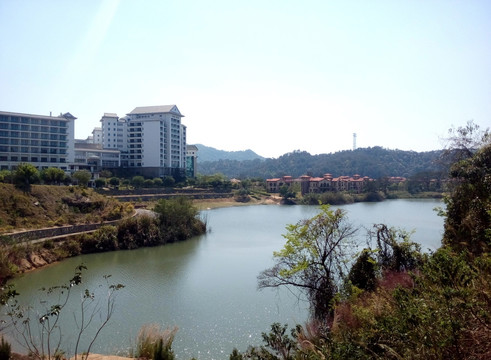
(178, 219)
(363, 273)
(395, 250)
(72, 247)
(136, 232)
(106, 238)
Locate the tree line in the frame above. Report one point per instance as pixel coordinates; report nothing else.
(375, 162)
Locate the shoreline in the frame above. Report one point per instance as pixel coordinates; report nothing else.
(208, 204)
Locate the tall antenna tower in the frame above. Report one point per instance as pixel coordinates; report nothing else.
(354, 141)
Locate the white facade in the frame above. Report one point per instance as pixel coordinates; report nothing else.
(113, 132)
(157, 140)
(94, 158)
(44, 141)
(97, 136)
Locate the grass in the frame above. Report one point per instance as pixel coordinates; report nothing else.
(153, 342)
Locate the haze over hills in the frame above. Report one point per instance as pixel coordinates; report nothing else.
(207, 153)
(375, 162)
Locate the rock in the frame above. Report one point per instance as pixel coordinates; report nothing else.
(37, 261)
(48, 256)
(25, 265)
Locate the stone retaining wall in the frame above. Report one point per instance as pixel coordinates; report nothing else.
(150, 197)
(55, 231)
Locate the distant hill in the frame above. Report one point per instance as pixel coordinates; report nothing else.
(375, 162)
(206, 153)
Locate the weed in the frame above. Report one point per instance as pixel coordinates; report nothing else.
(5, 350)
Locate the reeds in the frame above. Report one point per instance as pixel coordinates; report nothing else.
(155, 343)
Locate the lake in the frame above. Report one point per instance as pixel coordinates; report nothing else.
(206, 286)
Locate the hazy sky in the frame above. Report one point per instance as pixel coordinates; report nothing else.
(272, 76)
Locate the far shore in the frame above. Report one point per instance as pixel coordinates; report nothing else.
(207, 204)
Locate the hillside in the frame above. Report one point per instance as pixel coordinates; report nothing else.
(206, 153)
(375, 162)
(48, 206)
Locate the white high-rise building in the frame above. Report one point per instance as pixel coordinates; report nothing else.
(113, 132)
(151, 139)
(96, 136)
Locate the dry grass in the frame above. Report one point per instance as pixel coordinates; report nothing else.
(148, 338)
(48, 206)
(206, 204)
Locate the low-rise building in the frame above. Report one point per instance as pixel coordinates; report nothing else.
(309, 184)
(94, 158)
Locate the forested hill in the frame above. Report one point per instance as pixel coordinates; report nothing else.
(206, 153)
(375, 162)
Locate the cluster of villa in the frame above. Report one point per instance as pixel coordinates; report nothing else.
(149, 141)
(309, 184)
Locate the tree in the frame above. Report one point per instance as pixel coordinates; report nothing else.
(313, 259)
(168, 181)
(5, 176)
(395, 250)
(158, 182)
(278, 345)
(148, 183)
(468, 222)
(289, 192)
(178, 219)
(52, 176)
(363, 273)
(468, 213)
(137, 181)
(105, 174)
(25, 175)
(100, 182)
(114, 181)
(463, 142)
(82, 177)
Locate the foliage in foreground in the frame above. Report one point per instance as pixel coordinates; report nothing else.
(398, 303)
(154, 343)
(36, 326)
(442, 311)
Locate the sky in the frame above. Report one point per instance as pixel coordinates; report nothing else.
(272, 76)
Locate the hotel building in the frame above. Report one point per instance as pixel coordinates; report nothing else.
(152, 140)
(44, 141)
(149, 141)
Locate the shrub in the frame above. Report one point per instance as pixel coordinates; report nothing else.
(395, 251)
(106, 238)
(335, 198)
(72, 247)
(158, 182)
(5, 350)
(49, 244)
(135, 232)
(178, 219)
(100, 182)
(114, 181)
(137, 181)
(364, 271)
